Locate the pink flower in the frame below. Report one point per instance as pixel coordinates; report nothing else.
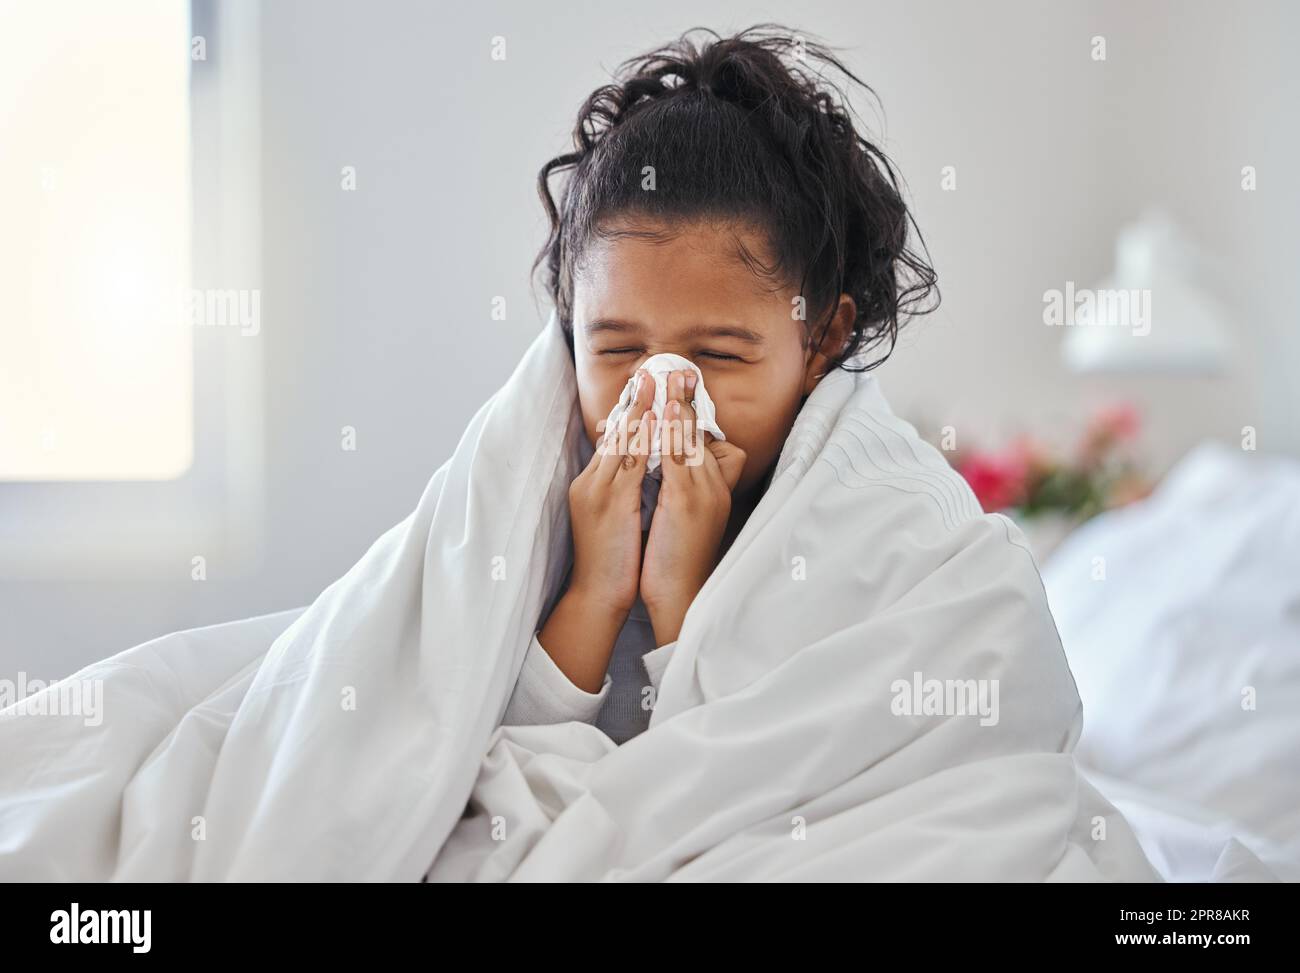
(997, 480)
(1028, 454)
(1109, 426)
(1117, 422)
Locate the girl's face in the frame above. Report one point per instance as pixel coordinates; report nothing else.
(693, 296)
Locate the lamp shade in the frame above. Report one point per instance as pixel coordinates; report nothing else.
(1150, 315)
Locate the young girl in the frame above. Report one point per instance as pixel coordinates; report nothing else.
(721, 207)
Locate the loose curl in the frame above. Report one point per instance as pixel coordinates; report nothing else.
(737, 133)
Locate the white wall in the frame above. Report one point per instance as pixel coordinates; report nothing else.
(1054, 153)
(376, 303)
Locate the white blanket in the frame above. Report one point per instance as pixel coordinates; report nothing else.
(358, 739)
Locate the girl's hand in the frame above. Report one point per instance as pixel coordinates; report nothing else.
(692, 513)
(605, 510)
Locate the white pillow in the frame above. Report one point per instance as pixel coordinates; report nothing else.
(1180, 617)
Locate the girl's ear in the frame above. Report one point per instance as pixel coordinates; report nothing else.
(834, 337)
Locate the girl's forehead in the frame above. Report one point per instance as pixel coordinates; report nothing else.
(695, 275)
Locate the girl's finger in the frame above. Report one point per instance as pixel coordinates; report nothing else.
(729, 461)
(633, 467)
(676, 474)
(637, 411)
(616, 442)
(689, 426)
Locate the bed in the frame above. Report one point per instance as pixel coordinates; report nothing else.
(1180, 617)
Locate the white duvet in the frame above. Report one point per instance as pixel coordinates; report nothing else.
(806, 728)
(1181, 621)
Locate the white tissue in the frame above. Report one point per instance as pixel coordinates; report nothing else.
(659, 366)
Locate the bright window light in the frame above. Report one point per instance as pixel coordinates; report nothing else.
(96, 351)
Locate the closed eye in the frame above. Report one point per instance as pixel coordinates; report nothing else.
(716, 355)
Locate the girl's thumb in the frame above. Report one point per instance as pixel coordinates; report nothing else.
(731, 460)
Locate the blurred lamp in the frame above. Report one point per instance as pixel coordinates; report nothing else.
(1150, 314)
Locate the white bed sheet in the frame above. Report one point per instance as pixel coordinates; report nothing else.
(1180, 617)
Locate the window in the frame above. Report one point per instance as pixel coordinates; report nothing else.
(129, 429)
(96, 365)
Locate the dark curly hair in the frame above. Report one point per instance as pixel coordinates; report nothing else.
(737, 132)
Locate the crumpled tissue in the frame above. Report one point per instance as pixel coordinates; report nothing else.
(659, 367)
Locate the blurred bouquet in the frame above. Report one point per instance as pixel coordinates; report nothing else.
(1028, 480)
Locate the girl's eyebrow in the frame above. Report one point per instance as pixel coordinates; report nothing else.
(695, 331)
